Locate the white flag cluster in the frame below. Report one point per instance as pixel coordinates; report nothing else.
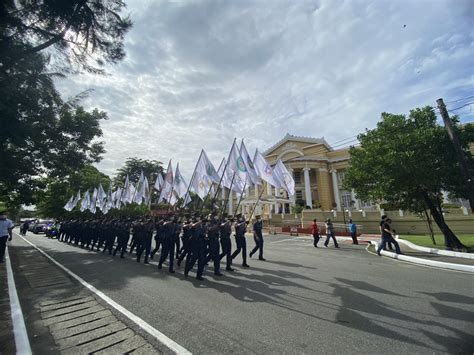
(236, 173)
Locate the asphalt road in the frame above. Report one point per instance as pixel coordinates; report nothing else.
(301, 300)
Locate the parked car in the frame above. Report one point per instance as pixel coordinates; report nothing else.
(40, 225)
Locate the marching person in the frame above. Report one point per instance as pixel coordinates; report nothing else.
(240, 229)
(6, 227)
(353, 230)
(186, 239)
(198, 248)
(213, 242)
(168, 242)
(330, 234)
(226, 243)
(258, 238)
(315, 232)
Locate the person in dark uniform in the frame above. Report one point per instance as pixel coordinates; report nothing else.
(111, 230)
(122, 237)
(186, 239)
(168, 243)
(240, 229)
(178, 227)
(213, 226)
(158, 236)
(258, 238)
(136, 234)
(198, 248)
(226, 244)
(146, 235)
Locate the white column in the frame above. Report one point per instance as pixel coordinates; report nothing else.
(269, 193)
(307, 188)
(277, 193)
(335, 186)
(353, 198)
(230, 203)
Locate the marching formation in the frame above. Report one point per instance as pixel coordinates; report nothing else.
(192, 239)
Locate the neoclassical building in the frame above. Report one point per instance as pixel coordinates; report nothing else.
(318, 171)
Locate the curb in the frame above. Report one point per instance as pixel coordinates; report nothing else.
(432, 263)
(454, 254)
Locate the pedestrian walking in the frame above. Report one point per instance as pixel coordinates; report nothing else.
(6, 227)
(315, 232)
(387, 236)
(353, 230)
(330, 234)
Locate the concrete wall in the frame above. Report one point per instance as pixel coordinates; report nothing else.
(406, 224)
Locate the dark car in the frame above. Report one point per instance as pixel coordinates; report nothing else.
(40, 226)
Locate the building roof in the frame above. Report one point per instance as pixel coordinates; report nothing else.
(290, 137)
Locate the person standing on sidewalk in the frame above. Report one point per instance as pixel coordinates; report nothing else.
(315, 232)
(353, 230)
(387, 237)
(6, 227)
(330, 234)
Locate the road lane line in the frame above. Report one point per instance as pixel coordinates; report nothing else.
(22, 342)
(169, 343)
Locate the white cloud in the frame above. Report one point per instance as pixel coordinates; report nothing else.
(199, 73)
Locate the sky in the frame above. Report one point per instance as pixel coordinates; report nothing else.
(199, 73)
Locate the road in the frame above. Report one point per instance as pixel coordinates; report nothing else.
(301, 300)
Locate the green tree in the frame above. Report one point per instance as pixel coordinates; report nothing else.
(82, 34)
(407, 162)
(51, 200)
(133, 168)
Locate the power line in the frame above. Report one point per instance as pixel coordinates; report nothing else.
(461, 99)
(457, 108)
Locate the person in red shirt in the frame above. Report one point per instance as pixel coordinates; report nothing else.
(315, 232)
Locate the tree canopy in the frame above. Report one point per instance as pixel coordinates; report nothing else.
(133, 168)
(407, 162)
(44, 136)
(78, 34)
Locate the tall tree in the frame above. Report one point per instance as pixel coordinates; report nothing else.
(133, 168)
(408, 162)
(79, 34)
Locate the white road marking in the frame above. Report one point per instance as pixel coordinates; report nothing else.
(22, 342)
(169, 343)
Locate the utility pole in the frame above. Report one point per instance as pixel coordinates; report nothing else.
(463, 167)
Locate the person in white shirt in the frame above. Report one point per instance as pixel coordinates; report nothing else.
(6, 227)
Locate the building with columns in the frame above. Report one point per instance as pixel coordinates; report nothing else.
(318, 171)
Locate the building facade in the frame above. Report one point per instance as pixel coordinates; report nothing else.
(318, 170)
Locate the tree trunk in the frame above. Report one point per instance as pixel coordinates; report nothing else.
(430, 226)
(450, 239)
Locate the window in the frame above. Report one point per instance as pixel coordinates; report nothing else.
(297, 177)
(346, 198)
(299, 195)
(340, 176)
(366, 203)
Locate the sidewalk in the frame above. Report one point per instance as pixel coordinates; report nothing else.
(427, 259)
(61, 315)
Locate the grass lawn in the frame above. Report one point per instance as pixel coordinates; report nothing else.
(425, 240)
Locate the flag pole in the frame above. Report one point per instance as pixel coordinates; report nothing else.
(192, 180)
(241, 195)
(258, 200)
(223, 173)
(228, 195)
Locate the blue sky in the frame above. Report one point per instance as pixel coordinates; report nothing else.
(199, 73)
